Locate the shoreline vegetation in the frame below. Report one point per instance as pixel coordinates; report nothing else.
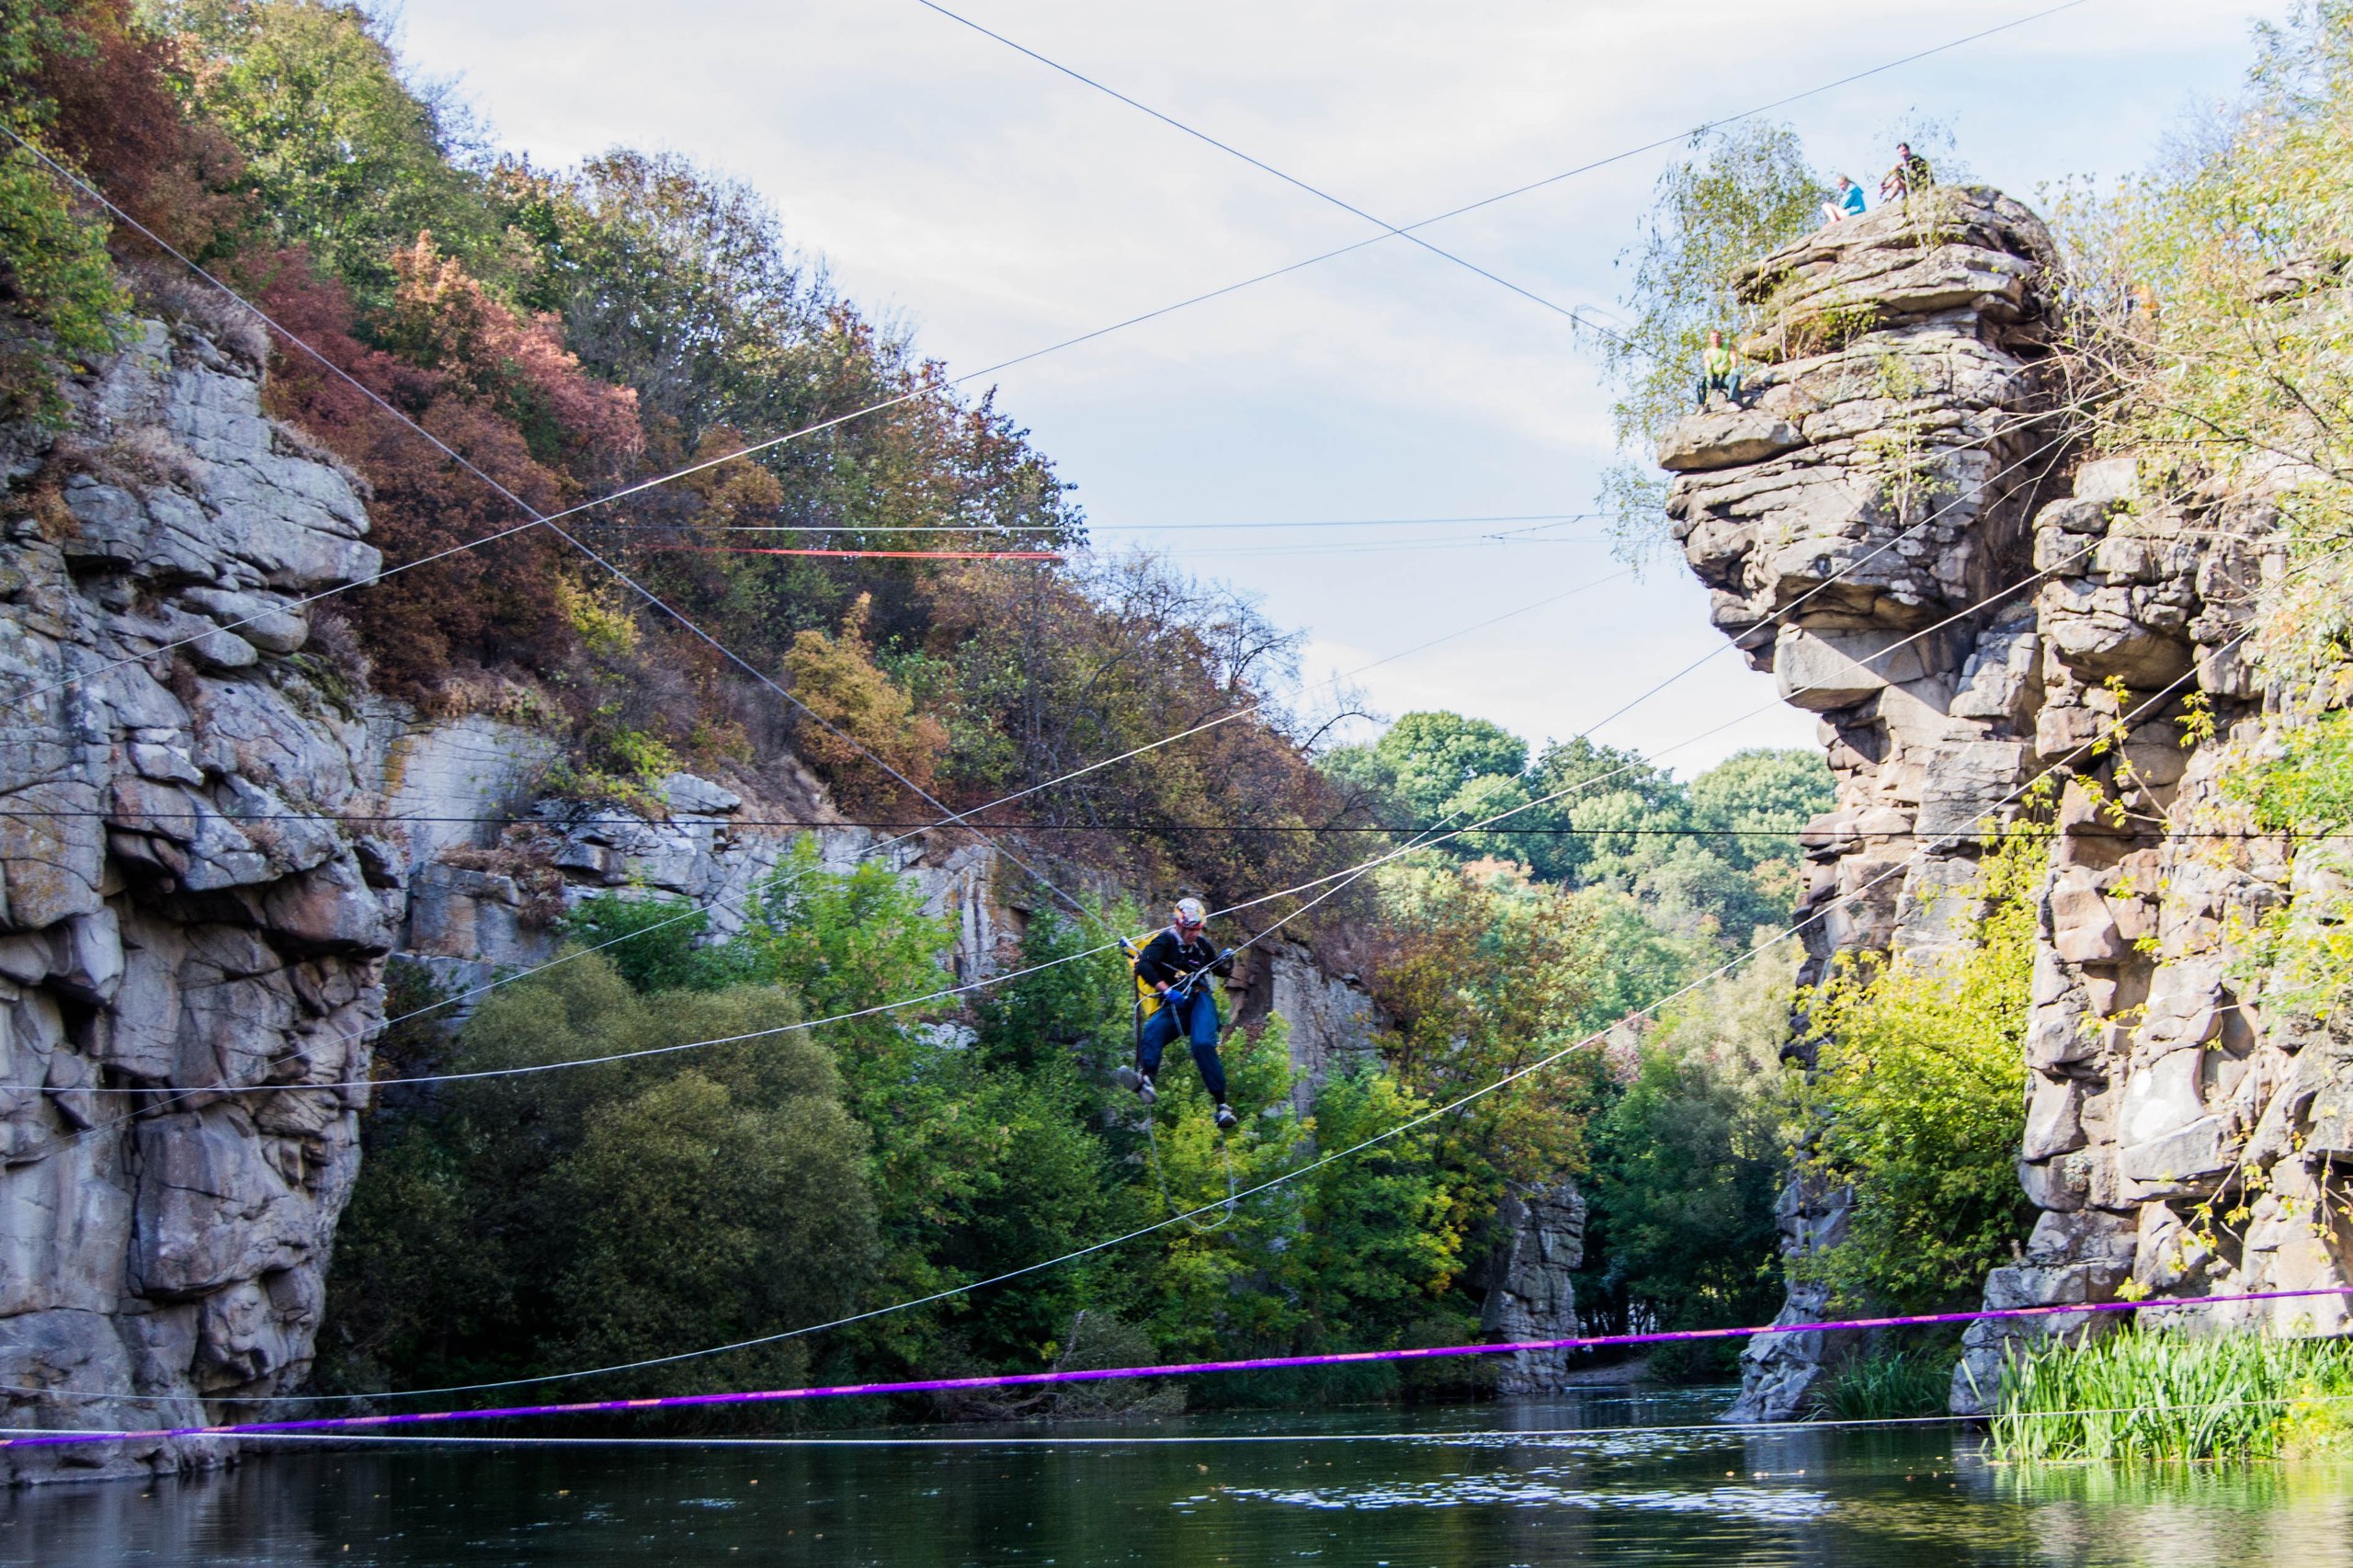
(577, 329)
(2144, 1396)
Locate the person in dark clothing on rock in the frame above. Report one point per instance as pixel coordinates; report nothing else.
(1173, 971)
(1908, 177)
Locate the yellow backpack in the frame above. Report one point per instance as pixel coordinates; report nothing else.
(1147, 999)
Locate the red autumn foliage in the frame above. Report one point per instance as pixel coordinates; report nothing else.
(443, 319)
(115, 115)
(492, 605)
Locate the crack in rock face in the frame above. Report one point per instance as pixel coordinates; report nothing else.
(1904, 432)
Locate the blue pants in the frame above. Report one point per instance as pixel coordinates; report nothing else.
(1197, 1016)
(1728, 383)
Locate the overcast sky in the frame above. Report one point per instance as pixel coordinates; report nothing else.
(996, 207)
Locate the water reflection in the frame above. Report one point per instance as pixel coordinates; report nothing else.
(1479, 1486)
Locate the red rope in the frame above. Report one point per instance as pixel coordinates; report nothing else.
(863, 554)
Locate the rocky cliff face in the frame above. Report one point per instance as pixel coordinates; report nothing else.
(164, 1220)
(1530, 1293)
(211, 837)
(2002, 603)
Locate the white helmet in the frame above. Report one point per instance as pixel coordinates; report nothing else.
(1189, 911)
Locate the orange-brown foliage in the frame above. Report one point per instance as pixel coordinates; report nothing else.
(115, 116)
(498, 602)
(868, 715)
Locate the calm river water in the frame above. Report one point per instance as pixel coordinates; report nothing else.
(1480, 1486)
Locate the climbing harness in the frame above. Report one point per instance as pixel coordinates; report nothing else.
(1147, 1001)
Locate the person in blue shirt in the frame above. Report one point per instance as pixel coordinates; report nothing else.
(1848, 202)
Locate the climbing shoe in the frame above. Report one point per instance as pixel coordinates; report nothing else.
(1226, 1121)
(1136, 1084)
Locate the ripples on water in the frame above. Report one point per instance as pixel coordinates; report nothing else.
(1478, 1486)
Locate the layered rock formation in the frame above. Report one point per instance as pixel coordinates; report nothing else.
(1530, 1293)
(212, 835)
(1902, 530)
(164, 1219)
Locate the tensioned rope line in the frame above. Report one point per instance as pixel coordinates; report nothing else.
(1894, 868)
(2054, 446)
(87, 189)
(329, 1424)
(1390, 230)
(687, 914)
(2127, 721)
(857, 554)
(692, 911)
(1457, 1438)
(1582, 785)
(1405, 232)
(549, 522)
(1882, 653)
(636, 587)
(1548, 519)
(672, 611)
(1332, 883)
(1407, 829)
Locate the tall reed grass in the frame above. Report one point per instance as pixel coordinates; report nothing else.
(1895, 1383)
(2168, 1396)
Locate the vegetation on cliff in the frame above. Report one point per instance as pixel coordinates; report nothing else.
(1917, 1102)
(569, 331)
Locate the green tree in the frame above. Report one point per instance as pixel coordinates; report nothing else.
(1771, 790)
(1687, 1162)
(1745, 189)
(346, 157)
(611, 1211)
(1917, 1100)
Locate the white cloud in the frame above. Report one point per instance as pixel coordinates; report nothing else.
(1000, 207)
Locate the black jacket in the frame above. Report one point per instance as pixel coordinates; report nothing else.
(1166, 961)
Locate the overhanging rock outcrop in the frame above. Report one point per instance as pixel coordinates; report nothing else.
(1968, 603)
(1863, 565)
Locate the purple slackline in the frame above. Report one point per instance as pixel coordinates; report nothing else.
(1024, 1379)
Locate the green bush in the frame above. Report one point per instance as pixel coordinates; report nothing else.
(55, 274)
(1917, 1101)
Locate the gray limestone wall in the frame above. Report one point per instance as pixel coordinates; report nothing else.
(170, 978)
(1905, 434)
(212, 836)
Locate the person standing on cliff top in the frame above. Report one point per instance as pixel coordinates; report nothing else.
(1910, 174)
(1719, 372)
(1846, 202)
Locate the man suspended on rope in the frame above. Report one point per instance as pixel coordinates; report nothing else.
(1172, 979)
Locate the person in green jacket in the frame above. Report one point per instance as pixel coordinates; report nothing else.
(1719, 372)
